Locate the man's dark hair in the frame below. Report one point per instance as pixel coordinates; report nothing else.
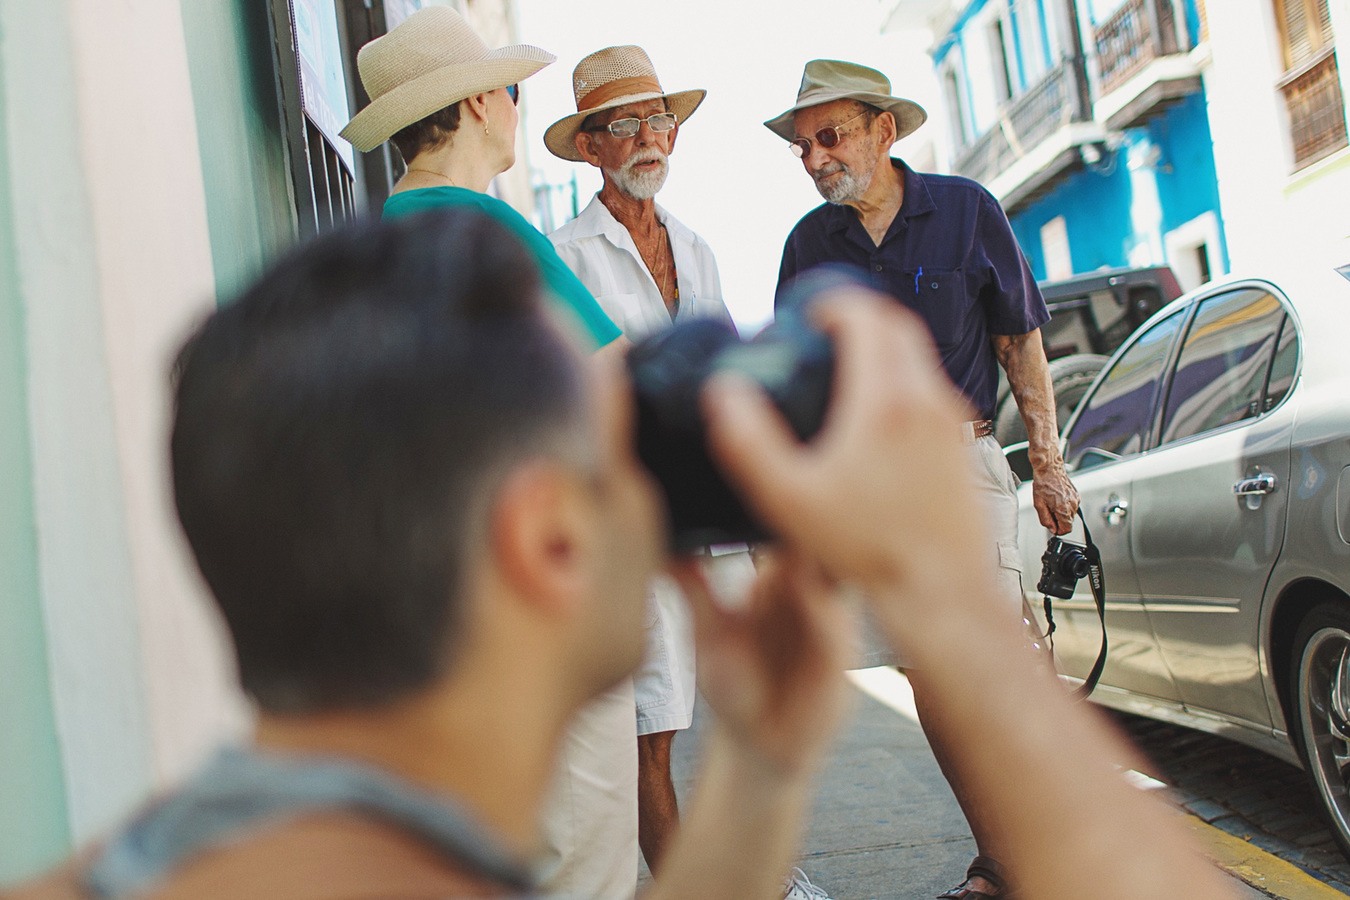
(427, 133)
(338, 434)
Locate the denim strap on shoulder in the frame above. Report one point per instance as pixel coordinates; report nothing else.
(242, 788)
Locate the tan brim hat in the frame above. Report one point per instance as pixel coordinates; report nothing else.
(827, 80)
(430, 61)
(609, 78)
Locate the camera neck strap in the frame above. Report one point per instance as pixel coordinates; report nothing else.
(1097, 582)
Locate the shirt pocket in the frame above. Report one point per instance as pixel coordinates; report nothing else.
(940, 297)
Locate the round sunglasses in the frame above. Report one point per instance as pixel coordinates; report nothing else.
(826, 137)
(626, 128)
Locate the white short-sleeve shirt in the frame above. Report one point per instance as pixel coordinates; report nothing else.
(599, 249)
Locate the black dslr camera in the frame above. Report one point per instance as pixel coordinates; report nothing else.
(1063, 565)
(792, 361)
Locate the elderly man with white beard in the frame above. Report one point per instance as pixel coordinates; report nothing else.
(645, 267)
(648, 271)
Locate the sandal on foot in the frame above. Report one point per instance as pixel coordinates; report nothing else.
(988, 868)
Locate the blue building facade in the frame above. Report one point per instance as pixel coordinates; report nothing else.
(1088, 120)
(1118, 211)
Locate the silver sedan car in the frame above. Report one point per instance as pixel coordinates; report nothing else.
(1212, 454)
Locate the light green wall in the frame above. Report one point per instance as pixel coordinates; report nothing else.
(249, 208)
(34, 822)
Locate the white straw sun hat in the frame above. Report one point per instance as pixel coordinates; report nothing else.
(614, 76)
(825, 80)
(431, 60)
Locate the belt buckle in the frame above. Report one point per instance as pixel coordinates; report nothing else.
(979, 428)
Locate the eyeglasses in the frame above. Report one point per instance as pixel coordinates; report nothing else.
(825, 137)
(626, 128)
(513, 91)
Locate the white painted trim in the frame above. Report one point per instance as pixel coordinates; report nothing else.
(1072, 135)
(1203, 230)
(1164, 68)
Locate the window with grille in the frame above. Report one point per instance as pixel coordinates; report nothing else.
(1312, 83)
(318, 90)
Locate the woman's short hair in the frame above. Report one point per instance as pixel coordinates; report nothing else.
(427, 133)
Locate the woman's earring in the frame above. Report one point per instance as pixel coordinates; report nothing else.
(486, 132)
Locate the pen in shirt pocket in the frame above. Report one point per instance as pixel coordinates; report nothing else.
(917, 276)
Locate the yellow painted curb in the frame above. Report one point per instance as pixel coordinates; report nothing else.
(1256, 867)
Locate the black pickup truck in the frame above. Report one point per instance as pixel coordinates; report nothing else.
(1090, 316)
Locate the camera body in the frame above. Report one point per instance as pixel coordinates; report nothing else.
(790, 360)
(1063, 565)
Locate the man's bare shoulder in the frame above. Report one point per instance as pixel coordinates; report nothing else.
(61, 884)
(322, 856)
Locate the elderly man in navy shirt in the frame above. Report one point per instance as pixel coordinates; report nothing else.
(942, 246)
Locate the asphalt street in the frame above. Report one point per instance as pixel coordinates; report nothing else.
(885, 824)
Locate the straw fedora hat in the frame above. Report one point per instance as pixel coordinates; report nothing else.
(825, 80)
(431, 60)
(608, 78)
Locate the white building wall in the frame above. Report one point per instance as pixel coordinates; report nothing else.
(114, 264)
(1272, 215)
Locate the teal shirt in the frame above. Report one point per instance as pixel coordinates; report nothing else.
(569, 290)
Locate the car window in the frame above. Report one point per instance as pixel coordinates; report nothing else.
(1067, 331)
(1284, 365)
(1114, 419)
(1222, 367)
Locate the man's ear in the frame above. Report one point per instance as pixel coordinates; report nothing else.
(584, 141)
(539, 530)
(889, 128)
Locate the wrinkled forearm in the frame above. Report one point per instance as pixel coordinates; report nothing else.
(1023, 359)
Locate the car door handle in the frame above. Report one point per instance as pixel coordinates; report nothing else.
(1115, 509)
(1257, 484)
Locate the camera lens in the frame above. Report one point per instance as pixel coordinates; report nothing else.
(1073, 564)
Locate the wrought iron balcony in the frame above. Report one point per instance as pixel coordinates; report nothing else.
(1023, 125)
(1316, 107)
(1137, 33)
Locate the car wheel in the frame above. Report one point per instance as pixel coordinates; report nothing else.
(1070, 376)
(1321, 721)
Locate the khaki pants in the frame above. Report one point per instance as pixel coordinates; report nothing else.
(996, 491)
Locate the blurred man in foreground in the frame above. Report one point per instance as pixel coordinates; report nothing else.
(420, 512)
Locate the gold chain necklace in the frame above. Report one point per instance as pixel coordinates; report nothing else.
(435, 174)
(674, 303)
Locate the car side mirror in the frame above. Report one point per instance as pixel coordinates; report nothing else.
(1019, 459)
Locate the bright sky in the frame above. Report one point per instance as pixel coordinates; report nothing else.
(731, 180)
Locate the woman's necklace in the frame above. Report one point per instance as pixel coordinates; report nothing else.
(435, 174)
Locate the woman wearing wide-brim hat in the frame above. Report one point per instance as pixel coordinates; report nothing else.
(448, 103)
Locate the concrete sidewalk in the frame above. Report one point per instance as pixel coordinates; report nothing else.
(885, 824)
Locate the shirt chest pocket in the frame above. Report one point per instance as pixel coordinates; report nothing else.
(940, 297)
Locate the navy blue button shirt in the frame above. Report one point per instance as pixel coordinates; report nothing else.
(950, 256)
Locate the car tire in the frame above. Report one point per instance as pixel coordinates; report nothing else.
(1070, 376)
(1319, 683)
